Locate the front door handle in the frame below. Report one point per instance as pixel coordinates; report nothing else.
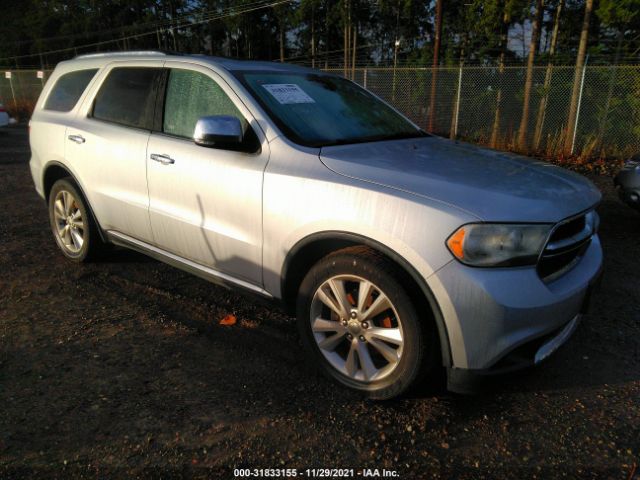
(77, 138)
(162, 158)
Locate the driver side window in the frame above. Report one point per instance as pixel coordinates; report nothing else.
(191, 95)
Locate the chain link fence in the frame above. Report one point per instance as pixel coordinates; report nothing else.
(19, 90)
(485, 105)
(479, 104)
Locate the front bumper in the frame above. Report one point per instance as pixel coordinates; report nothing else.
(472, 381)
(500, 319)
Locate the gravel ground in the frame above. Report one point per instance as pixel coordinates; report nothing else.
(121, 369)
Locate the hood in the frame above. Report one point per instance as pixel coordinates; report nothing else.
(494, 186)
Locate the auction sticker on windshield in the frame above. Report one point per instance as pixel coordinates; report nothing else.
(288, 93)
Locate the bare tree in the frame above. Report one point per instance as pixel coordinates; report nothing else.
(504, 39)
(313, 35)
(353, 51)
(434, 71)
(533, 48)
(617, 15)
(281, 36)
(582, 51)
(347, 36)
(542, 108)
(456, 104)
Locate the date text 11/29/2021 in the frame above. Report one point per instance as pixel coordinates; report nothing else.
(315, 473)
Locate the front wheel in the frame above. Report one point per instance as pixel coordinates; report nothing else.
(359, 325)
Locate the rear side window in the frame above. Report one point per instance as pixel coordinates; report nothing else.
(68, 90)
(128, 96)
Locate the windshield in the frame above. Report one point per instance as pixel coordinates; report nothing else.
(319, 110)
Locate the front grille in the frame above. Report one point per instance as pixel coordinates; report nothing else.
(569, 228)
(566, 245)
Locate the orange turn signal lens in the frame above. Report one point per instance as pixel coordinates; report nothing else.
(456, 242)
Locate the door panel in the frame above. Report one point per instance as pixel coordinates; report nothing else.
(106, 146)
(111, 164)
(206, 203)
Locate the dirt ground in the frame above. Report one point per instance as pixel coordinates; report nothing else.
(121, 369)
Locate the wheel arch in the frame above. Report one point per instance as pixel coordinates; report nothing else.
(54, 171)
(308, 251)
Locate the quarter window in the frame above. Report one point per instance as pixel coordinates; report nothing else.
(191, 95)
(128, 96)
(68, 90)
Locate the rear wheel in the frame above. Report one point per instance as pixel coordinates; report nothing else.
(72, 225)
(359, 325)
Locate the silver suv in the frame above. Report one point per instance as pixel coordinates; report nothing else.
(399, 251)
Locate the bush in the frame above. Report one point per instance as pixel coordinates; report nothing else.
(21, 110)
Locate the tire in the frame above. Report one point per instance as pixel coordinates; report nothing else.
(385, 326)
(72, 223)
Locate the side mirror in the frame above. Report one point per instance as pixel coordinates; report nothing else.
(217, 129)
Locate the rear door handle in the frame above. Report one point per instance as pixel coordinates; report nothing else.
(162, 158)
(77, 138)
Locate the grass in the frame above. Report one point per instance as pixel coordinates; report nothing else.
(591, 159)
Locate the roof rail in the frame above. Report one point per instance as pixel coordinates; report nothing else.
(124, 54)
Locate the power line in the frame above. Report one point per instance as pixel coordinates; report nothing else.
(212, 17)
(139, 26)
(322, 55)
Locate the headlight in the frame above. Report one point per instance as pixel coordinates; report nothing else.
(497, 245)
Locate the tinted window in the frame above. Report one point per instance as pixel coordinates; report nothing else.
(128, 97)
(191, 95)
(319, 110)
(68, 89)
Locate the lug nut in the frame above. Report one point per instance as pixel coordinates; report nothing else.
(344, 323)
(349, 337)
(361, 338)
(365, 325)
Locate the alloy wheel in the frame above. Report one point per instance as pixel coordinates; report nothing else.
(357, 328)
(69, 223)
